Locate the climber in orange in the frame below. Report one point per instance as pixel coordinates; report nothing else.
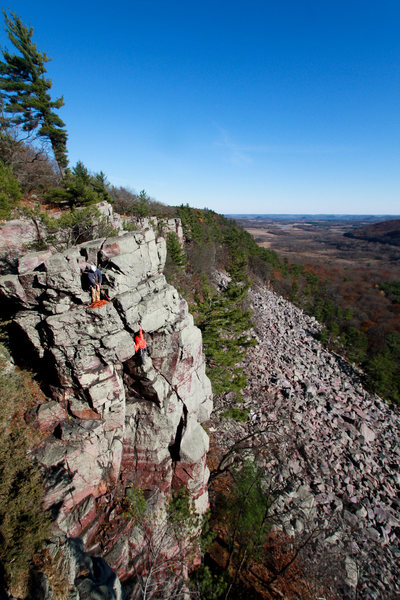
(140, 345)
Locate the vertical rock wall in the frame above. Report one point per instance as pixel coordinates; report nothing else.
(112, 423)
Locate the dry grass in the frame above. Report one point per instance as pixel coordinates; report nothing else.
(56, 571)
(23, 525)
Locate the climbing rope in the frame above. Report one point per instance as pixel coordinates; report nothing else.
(98, 303)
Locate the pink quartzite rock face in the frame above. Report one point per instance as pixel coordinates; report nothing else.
(111, 422)
(31, 261)
(16, 233)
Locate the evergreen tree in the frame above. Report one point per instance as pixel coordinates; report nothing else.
(190, 223)
(101, 186)
(142, 204)
(175, 250)
(24, 90)
(224, 326)
(81, 188)
(10, 192)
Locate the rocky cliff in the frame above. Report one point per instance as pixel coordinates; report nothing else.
(110, 424)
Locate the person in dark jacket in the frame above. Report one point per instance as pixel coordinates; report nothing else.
(95, 281)
(140, 345)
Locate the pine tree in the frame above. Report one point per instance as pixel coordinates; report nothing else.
(81, 188)
(24, 90)
(190, 223)
(175, 250)
(10, 192)
(224, 326)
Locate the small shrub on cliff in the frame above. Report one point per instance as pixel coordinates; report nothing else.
(129, 226)
(23, 525)
(208, 585)
(182, 514)
(245, 513)
(247, 510)
(237, 414)
(81, 188)
(134, 504)
(75, 227)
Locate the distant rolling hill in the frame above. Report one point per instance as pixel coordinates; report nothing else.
(386, 232)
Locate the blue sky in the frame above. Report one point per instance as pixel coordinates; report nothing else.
(253, 106)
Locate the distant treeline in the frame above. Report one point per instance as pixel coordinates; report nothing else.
(314, 218)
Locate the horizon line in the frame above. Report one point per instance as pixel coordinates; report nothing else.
(315, 214)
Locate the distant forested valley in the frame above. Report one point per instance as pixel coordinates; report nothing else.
(339, 271)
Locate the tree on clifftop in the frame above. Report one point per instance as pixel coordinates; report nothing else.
(24, 91)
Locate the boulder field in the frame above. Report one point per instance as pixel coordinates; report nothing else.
(109, 423)
(339, 448)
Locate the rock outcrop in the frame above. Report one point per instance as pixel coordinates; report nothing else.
(111, 423)
(339, 446)
(18, 235)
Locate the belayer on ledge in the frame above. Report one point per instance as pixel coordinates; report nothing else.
(140, 345)
(95, 281)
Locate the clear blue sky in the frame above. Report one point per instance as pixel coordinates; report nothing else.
(256, 106)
